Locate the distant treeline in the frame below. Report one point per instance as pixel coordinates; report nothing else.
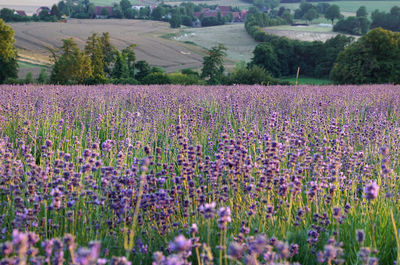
(282, 56)
(175, 15)
(9, 15)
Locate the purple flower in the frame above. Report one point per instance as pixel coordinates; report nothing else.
(180, 244)
(371, 190)
(208, 210)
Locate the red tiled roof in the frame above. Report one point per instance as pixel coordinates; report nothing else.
(20, 13)
(211, 13)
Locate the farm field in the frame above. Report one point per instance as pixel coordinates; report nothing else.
(350, 7)
(234, 36)
(304, 33)
(35, 38)
(208, 175)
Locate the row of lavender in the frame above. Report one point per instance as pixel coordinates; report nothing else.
(201, 175)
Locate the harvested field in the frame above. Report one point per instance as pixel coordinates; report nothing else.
(234, 36)
(303, 33)
(169, 54)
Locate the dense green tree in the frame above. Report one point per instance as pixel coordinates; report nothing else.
(252, 75)
(158, 78)
(8, 53)
(352, 25)
(187, 21)
(374, 58)
(7, 14)
(28, 78)
(303, 9)
(117, 11)
(265, 56)
(213, 68)
(130, 57)
(142, 69)
(332, 13)
(125, 6)
(144, 13)
(362, 12)
(310, 15)
(45, 15)
(72, 66)
(55, 11)
(42, 78)
(158, 13)
(322, 7)
(175, 20)
(94, 50)
(108, 50)
(120, 69)
(390, 21)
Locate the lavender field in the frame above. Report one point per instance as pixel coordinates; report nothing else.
(202, 175)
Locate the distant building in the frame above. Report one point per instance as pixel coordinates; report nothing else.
(20, 13)
(99, 9)
(224, 11)
(138, 7)
(40, 9)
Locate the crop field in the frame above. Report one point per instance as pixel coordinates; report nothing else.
(304, 33)
(37, 37)
(234, 37)
(350, 7)
(208, 175)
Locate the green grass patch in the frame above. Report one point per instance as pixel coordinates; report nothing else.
(307, 80)
(311, 28)
(23, 65)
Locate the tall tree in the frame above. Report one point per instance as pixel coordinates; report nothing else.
(94, 50)
(310, 15)
(362, 12)
(130, 57)
(125, 6)
(8, 53)
(72, 66)
(213, 68)
(120, 69)
(374, 58)
(55, 11)
(6, 14)
(108, 51)
(332, 13)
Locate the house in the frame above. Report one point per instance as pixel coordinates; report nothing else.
(40, 9)
(138, 7)
(236, 16)
(243, 14)
(20, 13)
(99, 10)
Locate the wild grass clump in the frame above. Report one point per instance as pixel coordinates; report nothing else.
(202, 175)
